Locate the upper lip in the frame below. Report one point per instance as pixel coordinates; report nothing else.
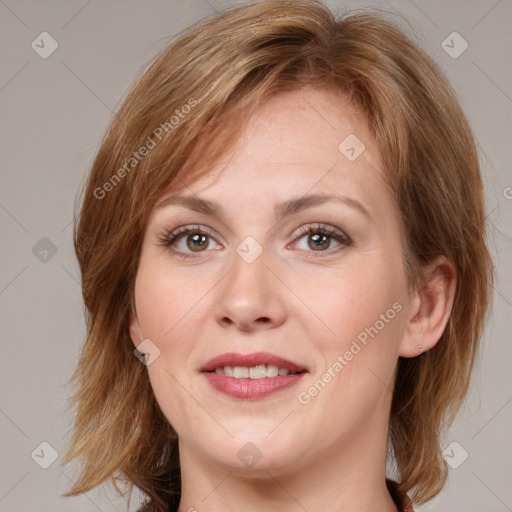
(248, 360)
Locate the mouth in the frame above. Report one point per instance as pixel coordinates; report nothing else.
(253, 366)
(259, 371)
(251, 376)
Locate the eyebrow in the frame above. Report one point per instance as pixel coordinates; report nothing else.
(281, 210)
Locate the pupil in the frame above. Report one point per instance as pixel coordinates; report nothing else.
(318, 238)
(197, 238)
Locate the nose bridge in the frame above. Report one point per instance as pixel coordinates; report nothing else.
(251, 261)
(250, 292)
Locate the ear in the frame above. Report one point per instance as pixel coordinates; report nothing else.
(135, 330)
(430, 308)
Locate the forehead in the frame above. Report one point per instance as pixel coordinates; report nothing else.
(299, 142)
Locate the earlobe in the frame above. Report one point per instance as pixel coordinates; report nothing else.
(431, 307)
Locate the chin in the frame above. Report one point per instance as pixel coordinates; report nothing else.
(254, 460)
(253, 451)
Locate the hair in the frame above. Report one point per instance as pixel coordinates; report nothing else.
(212, 78)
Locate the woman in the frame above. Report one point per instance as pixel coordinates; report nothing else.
(283, 257)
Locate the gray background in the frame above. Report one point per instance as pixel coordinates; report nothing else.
(54, 112)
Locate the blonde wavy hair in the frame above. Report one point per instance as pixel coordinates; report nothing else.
(187, 108)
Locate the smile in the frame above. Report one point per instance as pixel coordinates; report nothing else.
(251, 376)
(260, 371)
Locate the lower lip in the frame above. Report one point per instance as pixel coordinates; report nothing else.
(251, 388)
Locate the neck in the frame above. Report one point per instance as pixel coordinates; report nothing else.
(346, 477)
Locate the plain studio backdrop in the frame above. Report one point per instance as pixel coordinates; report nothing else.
(65, 68)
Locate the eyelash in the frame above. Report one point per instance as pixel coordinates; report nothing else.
(170, 238)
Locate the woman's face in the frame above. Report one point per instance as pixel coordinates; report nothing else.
(319, 283)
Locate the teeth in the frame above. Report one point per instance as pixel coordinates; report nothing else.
(258, 372)
(254, 372)
(240, 372)
(273, 371)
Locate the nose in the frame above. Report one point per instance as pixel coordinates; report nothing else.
(251, 296)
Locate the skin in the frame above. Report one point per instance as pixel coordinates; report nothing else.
(328, 454)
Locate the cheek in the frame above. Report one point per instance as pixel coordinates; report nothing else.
(351, 298)
(165, 300)
(165, 311)
(361, 306)
(155, 307)
(359, 356)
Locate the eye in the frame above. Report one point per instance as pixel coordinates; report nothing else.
(320, 236)
(195, 238)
